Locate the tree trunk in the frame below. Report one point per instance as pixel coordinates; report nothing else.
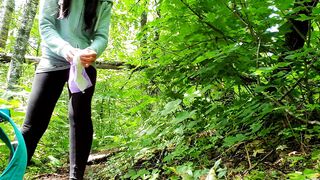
(21, 44)
(6, 11)
(143, 22)
(157, 5)
(297, 37)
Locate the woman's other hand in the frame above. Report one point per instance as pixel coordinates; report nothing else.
(87, 57)
(70, 53)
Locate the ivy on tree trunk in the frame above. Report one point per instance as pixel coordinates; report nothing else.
(6, 12)
(20, 46)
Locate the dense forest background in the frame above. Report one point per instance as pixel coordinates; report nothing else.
(187, 89)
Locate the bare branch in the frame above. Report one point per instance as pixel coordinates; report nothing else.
(6, 58)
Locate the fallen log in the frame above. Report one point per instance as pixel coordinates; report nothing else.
(116, 65)
(102, 156)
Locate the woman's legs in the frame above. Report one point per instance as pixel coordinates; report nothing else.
(46, 90)
(81, 130)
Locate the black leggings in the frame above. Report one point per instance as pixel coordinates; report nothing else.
(46, 90)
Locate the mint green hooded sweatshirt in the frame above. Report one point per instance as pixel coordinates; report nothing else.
(59, 35)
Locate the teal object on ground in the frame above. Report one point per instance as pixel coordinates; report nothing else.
(18, 163)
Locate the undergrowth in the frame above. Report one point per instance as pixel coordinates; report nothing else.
(213, 89)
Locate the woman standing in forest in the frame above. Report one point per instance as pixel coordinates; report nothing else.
(68, 29)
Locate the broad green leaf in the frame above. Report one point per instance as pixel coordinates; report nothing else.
(255, 127)
(171, 107)
(181, 116)
(231, 140)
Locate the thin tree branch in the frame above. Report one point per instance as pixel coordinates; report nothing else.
(202, 19)
(298, 81)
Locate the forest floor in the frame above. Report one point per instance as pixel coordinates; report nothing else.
(95, 163)
(63, 173)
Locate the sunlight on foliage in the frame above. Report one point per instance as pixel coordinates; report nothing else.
(209, 90)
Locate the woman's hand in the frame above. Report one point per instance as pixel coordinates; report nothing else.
(70, 52)
(87, 57)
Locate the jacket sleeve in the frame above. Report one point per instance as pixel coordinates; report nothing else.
(101, 29)
(48, 30)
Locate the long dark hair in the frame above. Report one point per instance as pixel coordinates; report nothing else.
(89, 11)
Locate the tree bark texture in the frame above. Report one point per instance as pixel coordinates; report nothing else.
(158, 12)
(6, 11)
(21, 43)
